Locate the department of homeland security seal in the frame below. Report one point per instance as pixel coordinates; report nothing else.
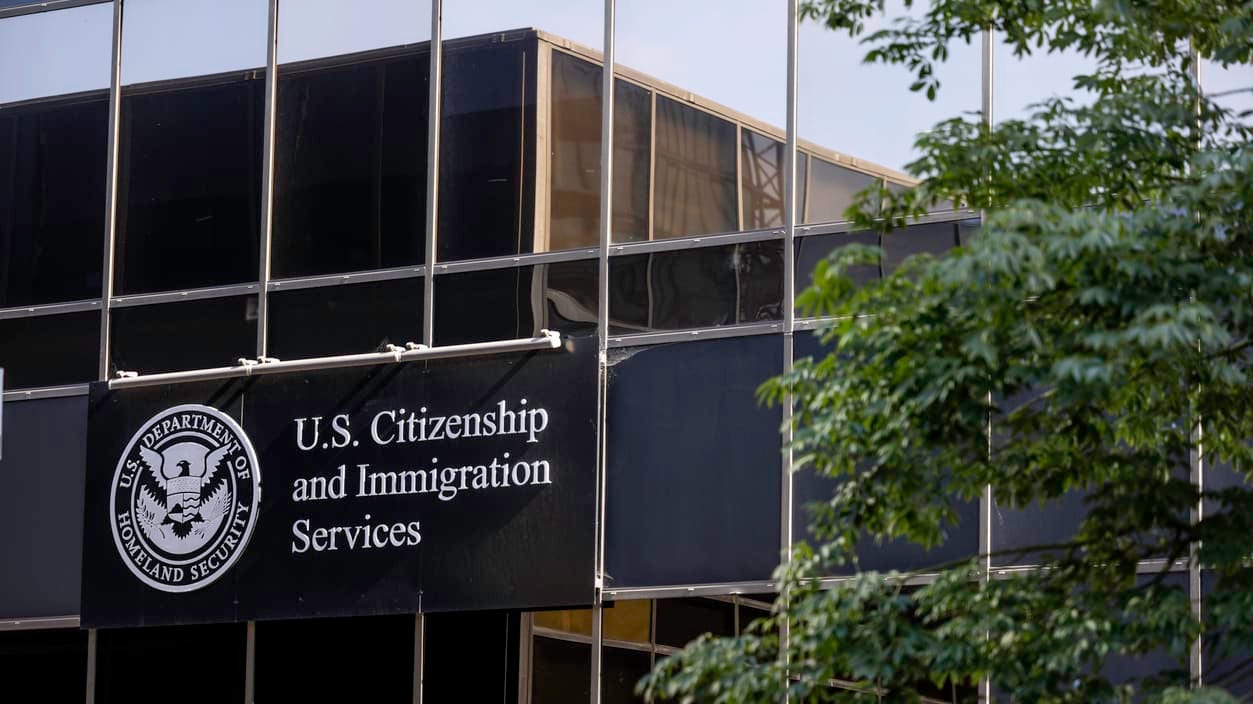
(184, 498)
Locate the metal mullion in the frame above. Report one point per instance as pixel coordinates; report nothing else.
(847, 226)
(677, 243)
(526, 642)
(40, 623)
(267, 180)
(357, 277)
(432, 167)
(110, 186)
(250, 662)
(986, 496)
(35, 8)
(710, 333)
(49, 309)
(514, 261)
(195, 294)
(789, 310)
(46, 392)
(419, 656)
(652, 163)
(90, 694)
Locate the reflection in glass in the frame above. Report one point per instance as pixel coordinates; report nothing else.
(52, 169)
(680, 621)
(178, 38)
(813, 249)
(832, 190)
(695, 191)
(706, 287)
(312, 28)
(366, 317)
(50, 350)
(574, 217)
(559, 671)
(189, 187)
(350, 167)
(934, 239)
(761, 181)
(34, 62)
(487, 149)
(168, 337)
(503, 304)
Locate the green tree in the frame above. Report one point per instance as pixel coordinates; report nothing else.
(1091, 339)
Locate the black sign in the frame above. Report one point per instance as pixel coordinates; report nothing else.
(426, 486)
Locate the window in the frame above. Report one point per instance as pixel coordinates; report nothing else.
(365, 317)
(832, 189)
(761, 181)
(50, 350)
(214, 332)
(696, 189)
(336, 660)
(503, 304)
(172, 656)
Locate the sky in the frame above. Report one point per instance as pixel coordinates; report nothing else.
(729, 51)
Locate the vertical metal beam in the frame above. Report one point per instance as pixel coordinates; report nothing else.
(419, 655)
(267, 180)
(985, 501)
(91, 666)
(1196, 456)
(432, 168)
(110, 188)
(789, 302)
(250, 663)
(526, 636)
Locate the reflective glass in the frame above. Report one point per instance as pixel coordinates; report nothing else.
(350, 167)
(560, 671)
(214, 332)
(761, 181)
(831, 190)
(621, 669)
(52, 663)
(165, 653)
(366, 317)
(814, 248)
(623, 620)
(574, 208)
(934, 239)
(452, 674)
(706, 287)
(335, 660)
(177, 38)
(34, 62)
(503, 304)
(1231, 87)
(50, 350)
(1021, 81)
(52, 174)
(696, 186)
(680, 621)
(314, 28)
(181, 226)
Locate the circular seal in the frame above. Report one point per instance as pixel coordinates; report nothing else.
(184, 498)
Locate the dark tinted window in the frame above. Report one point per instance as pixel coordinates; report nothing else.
(693, 463)
(41, 475)
(503, 304)
(350, 167)
(52, 169)
(696, 192)
(574, 217)
(621, 669)
(761, 181)
(934, 239)
(336, 660)
(680, 621)
(47, 666)
(189, 187)
(561, 671)
(50, 350)
(831, 190)
(173, 659)
(186, 335)
(696, 288)
(487, 151)
(450, 675)
(363, 317)
(813, 249)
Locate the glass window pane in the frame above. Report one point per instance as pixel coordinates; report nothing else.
(313, 28)
(761, 180)
(176, 38)
(470, 657)
(814, 248)
(934, 239)
(366, 317)
(680, 621)
(831, 190)
(350, 167)
(560, 671)
(503, 304)
(52, 663)
(696, 186)
(181, 227)
(336, 660)
(574, 211)
(705, 287)
(52, 173)
(1231, 87)
(40, 40)
(623, 620)
(215, 332)
(621, 670)
(171, 656)
(487, 150)
(50, 350)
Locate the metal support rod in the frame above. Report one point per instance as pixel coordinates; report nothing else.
(548, 340)
(986, 499)
(91, 667)
(1196, 456)
(432, 168)
(110, 186)
(250, 663)
(267, 180)
(419, 655)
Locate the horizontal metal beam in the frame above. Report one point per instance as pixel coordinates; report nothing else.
(713, 333)
(38, 624)
(46, 392)
(46, 6)
(548, 340)
(49, 309)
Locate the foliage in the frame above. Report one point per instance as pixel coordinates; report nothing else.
(1091, 339)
